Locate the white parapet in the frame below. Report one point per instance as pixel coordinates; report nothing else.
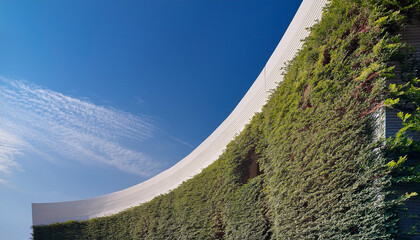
(208, 151)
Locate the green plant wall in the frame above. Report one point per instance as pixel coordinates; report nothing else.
(323, 173)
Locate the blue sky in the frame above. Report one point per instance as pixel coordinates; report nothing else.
(97, 96)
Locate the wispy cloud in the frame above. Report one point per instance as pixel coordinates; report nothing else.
(10, 146)
(38, 120)
(182, 142)
(4, 182)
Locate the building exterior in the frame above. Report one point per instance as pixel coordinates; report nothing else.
(208, 151)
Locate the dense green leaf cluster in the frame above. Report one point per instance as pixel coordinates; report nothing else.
(322, 172)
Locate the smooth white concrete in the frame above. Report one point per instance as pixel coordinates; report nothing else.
(208, 151)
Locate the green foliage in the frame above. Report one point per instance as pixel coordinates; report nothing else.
(322, 175)
(246, 213)
(405, 97)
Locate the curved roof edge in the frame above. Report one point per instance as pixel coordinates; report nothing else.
(208, 151)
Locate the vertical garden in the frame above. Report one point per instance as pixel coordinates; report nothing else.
(314, 163)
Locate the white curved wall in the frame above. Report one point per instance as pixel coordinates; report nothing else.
(208, 151)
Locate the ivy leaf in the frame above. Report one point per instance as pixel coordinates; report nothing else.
(393, 88)
(390, 102)
(393, 165)
(409, 195)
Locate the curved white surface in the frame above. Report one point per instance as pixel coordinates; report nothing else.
(208, 151)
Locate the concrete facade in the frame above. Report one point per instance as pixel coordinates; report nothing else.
(208, 151)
